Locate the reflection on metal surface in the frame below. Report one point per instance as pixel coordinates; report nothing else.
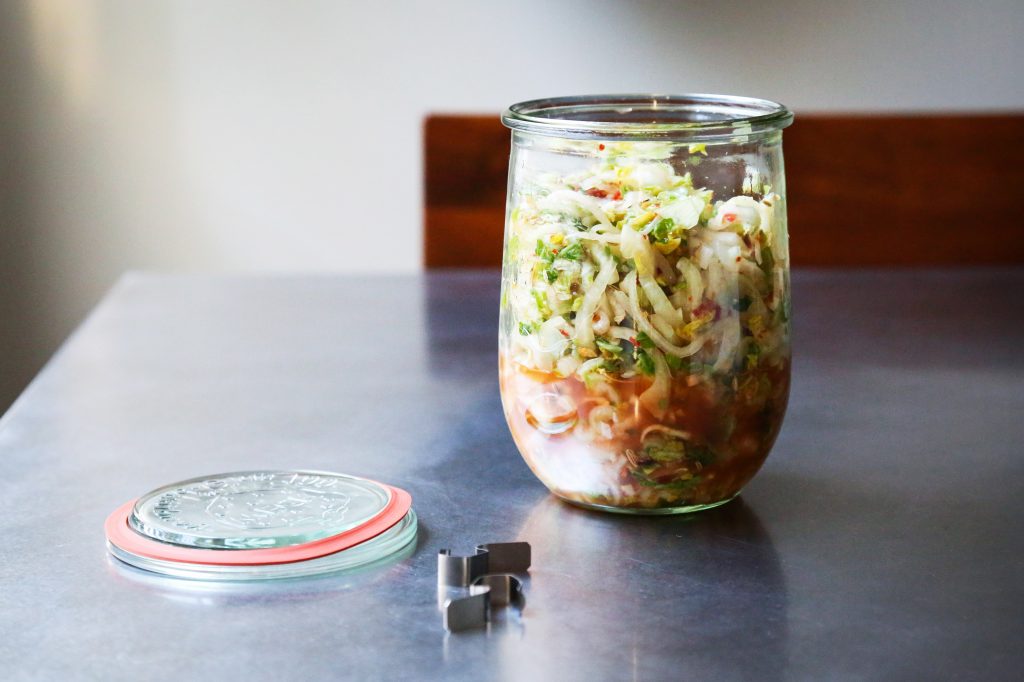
(641, 584)
(503, 627)
(474, 611)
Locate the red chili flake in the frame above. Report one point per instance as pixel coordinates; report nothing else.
(633, 341)
(728, 218)
(563, 333)
(708, 307)
(618, 195)
(600, 147)
(595, 192)
(554, 251)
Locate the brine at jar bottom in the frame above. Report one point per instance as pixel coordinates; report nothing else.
(602, 448)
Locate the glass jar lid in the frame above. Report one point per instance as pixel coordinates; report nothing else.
(257, 509)
(391, 545)
(258, 525)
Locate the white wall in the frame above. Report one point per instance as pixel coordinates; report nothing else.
(276, 135)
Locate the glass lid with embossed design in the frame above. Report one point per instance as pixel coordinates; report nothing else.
(257, 509)
(262, 524)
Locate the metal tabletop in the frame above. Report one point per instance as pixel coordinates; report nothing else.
(882, 540)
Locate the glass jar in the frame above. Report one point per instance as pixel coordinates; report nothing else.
(644, 340)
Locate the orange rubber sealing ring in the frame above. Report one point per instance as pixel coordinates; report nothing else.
(120, 534)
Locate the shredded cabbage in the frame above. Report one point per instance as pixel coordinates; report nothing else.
(595, 294)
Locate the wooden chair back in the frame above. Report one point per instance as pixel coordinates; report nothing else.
(863, 190)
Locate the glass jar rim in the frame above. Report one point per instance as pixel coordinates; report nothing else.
(648, 116)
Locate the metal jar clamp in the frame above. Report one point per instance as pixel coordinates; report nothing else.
(487, 575)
